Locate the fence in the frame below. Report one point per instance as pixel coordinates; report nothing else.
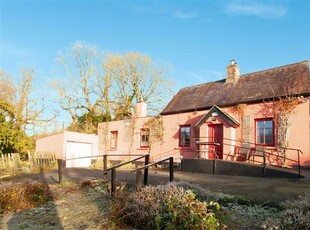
(42, 158)
(11, 162)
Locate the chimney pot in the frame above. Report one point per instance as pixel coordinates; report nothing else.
(233, 72)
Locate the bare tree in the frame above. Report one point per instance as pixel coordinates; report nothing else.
(83, 90)
(20, 111)
(136, 76)
(95, 87)
(8, 90)
(29, 106)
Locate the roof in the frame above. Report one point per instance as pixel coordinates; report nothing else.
(293, 79)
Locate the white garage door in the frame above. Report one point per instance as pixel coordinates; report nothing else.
(76, 150)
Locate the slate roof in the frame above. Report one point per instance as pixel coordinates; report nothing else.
(293, 79)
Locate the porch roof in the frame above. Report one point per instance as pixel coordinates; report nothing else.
(225, 116)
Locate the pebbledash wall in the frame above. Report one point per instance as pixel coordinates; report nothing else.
(190, 108)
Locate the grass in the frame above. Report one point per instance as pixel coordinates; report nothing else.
(89, 205)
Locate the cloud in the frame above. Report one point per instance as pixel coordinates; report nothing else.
(255, 8)
(185, 15)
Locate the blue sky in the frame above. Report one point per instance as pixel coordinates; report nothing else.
(197, 38)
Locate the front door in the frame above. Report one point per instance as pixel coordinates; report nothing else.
(216, 136)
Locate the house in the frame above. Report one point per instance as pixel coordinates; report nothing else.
(267, 108)
(126, 137)
(75, 148)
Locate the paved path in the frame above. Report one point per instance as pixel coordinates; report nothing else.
(252, 188)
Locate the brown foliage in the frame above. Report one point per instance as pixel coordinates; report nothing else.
(15, 197)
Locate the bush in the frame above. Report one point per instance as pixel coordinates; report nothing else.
(165, 207)
(248, 216)
(185, 212)
(295, 215)
(15, 197)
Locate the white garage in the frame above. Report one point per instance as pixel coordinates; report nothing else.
(78, 154)
(77, 149)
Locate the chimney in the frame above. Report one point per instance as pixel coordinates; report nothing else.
(141, 108)
(233, 72)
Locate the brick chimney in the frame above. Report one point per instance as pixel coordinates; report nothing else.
(233, 72)
(141, 108)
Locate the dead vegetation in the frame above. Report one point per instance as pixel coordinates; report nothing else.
(88, 205)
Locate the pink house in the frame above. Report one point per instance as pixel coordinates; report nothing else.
(268, 109)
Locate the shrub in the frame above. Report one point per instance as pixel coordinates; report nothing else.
(14, 197)
(164, 207)
(185, 212)
(248, 216)
(295, 215)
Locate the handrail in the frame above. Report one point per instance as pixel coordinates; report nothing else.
(171, 176)
(111, 155)
(124, 163)
(61, 163)
(238, 143)
(151, 164)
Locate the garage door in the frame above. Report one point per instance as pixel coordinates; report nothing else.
(76, 150)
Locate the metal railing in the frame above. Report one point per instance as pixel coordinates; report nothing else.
(138, 171)
(272, 153)
(171, 173)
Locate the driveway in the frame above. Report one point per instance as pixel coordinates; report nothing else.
(252, 188)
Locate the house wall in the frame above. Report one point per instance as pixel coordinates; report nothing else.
(52, 143)
(299, 134)
(170, 145)
(298, 137)
(128, 142)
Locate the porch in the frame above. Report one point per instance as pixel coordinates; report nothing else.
(231, 157)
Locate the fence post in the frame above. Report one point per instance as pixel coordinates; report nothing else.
(264, 164)
(138, 180)
(171, 176)
(146, 170)
(105, 167)
(60, 165)
(113, 181)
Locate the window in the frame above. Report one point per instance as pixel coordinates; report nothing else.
(145, 135)
(113, 140)
(185, 134)
(264, 134)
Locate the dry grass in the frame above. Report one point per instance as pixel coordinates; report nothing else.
(15, 197)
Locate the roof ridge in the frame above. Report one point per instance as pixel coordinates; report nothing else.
(246, 74)
(277, 67)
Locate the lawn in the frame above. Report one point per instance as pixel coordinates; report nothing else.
(88, 205)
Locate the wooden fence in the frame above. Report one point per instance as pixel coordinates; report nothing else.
(12, 162)
(42, 158)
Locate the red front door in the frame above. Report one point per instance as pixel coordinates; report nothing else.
(216, 136)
